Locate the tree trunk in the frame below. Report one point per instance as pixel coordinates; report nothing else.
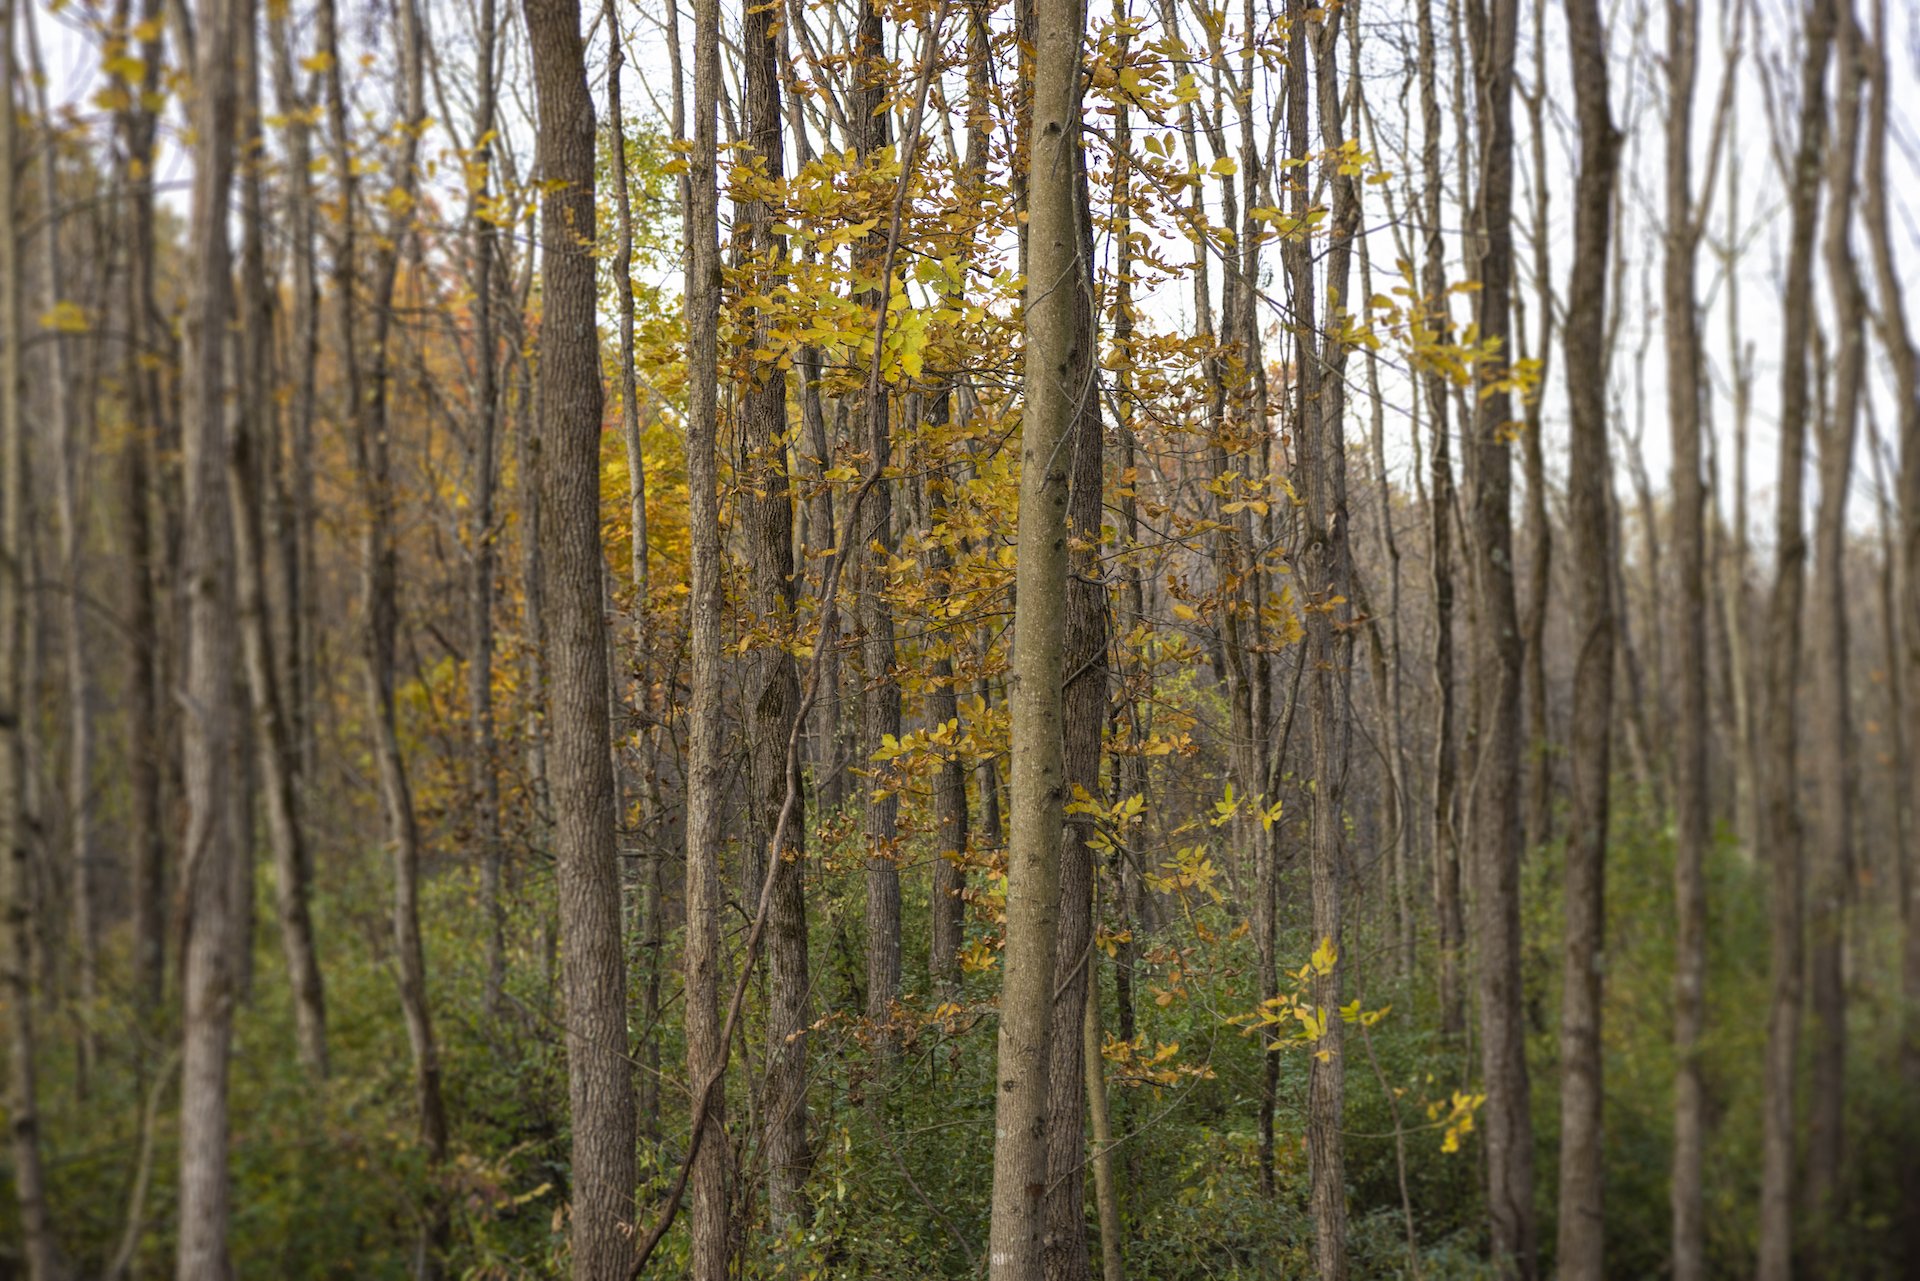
(1830, 862)
(1496, 808)
(481, 527)
(880, 697)
(1905, 359)
(600, 1086)
(1084, 715)
(16, 887)
(1445, 839)
(1582, 1237)
(1053, 333)
(706, 802)
(1778, 775)
(278, 764)
(1691, 815)
(775, 689)
(209, 965)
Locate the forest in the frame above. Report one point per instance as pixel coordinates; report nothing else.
(1028, 639)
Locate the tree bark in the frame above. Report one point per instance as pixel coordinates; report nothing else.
(209, 964)
(880, 696)
(1830, 862)
(599, 1080)
(1040, 585)
(1084, 715)
(1778, 775)
(706, 801)
(1445, 838)
(17, 896)
(1496, 810)
(1582, 1237)
(775, 691)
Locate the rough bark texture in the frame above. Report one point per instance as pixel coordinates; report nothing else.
(580, 770)
(1496, 802)
(705, 779)
(880, 691)
(1039, 783)
(1084, 716)
(1582, 1151)
(775, 688)
(1325, 569)
(208, 978)
(16, 877)
(1778, 777)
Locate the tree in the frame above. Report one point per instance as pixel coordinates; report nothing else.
(706, 1050)
(1582, 1219)
(1778, 774)
(1830, 865)
(208, 990)
(1496, 812)
(16, 891)
(599, 1079)
(775, 689)
(1039, 782)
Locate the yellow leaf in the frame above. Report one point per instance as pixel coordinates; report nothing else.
(65, 318)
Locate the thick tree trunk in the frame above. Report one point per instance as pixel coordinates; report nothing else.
(16, 875)
(880, 696)
(1905, 359)
(1778, 776)
(209, 965)
(775, 689)
(1325, 568)
(600, 1086)
(706, 802)
(1053, 332)
(1582, 1238)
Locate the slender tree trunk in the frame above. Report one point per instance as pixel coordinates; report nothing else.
(1582, 1238)
(1445, 839)
(1830, 862)
(1084, 715)
(278, 763)
(1053, 330)
(146, 837)
(209, 965)
(482, 534)
(1778, 776)
(1495, 818)
(69, 450)
(706, 801)
(16, 891)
